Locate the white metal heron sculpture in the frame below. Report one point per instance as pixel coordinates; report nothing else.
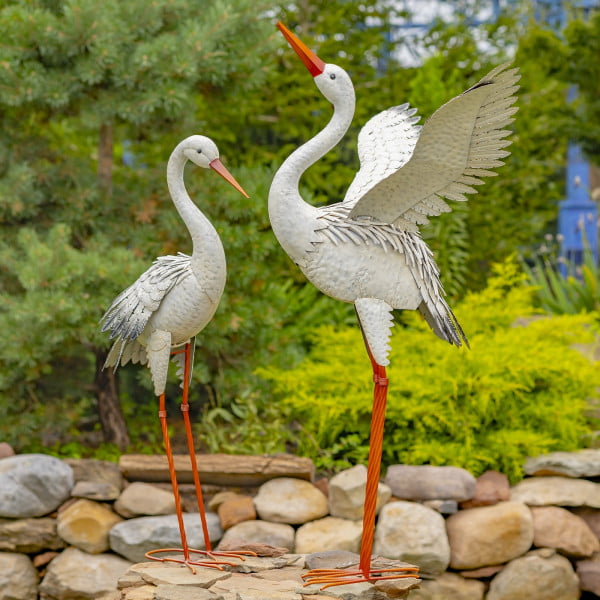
(156, 319)
(367, 249)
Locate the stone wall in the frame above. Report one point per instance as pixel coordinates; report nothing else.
(72, 528)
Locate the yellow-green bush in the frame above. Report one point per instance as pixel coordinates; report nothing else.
(520, 390)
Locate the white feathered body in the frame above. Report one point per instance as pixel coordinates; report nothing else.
(377, 267)
(171, 302)
(367, 249)
(167, 306)
(347, 272)
(191, 304)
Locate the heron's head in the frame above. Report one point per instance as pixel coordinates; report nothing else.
(202, 151)
(333, 82)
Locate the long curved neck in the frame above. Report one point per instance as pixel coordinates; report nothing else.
(292, 219)
(205, 238)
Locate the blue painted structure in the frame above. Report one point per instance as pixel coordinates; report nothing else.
(578, 214)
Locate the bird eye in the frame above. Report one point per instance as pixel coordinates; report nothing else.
(199, 151)
(332, 76)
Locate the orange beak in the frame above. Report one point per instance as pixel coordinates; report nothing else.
(217, 166)
(312, 62)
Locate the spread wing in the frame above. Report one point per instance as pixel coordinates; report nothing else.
(385, 144)
(129, 313)
(461, 142)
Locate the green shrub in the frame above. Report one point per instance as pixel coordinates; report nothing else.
(577, 292)
(521, 389)
(250, 425)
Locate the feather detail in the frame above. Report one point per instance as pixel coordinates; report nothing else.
(385, 144)
(461, 142)
(158, 350)
(376, 322)
(129, 313)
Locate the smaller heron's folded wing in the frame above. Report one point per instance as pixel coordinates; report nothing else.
(128, 315)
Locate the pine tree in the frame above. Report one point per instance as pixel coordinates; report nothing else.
(78, 80)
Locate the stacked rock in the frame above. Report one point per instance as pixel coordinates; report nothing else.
(73, 528)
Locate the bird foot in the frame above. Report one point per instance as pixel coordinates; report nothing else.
(333, 577)
(190, 561)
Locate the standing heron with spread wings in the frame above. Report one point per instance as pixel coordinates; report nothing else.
(156, 319)
(367, 249)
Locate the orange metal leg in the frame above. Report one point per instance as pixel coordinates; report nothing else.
(374, 467)
(333, 577)
(185, 409)
(187, 552)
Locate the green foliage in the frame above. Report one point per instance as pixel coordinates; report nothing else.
(75, 449)
(50, 294)
(583, 64)
(70, 70)
(578, 292)
(132, 61)
(521, 390)
(250, 425)
(157, 72)
(572, 56)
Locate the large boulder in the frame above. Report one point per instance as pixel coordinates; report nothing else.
(539, 575)
(6, 450)
(329, 533)
(583, 463)
(559, 491)
(449, 586)
(588, 572)
(134, 537)
(289, 500)
(33, 485)
(18, 577)
(489, 535)
(236, 510)
(278, 535)
(413, 533)
(491, 487)
(591, 516)
(95, 479)
(558, 528)
(85, 524)
(76, 574)
(29, 536)
(347, 493)
(143, 499)
(427, 482)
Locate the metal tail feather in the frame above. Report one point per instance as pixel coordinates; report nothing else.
(443, 322)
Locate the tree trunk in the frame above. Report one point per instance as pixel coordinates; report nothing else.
(112, 421)
(105, 158)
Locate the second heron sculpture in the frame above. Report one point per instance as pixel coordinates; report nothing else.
(156, 319)
(367, 249)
